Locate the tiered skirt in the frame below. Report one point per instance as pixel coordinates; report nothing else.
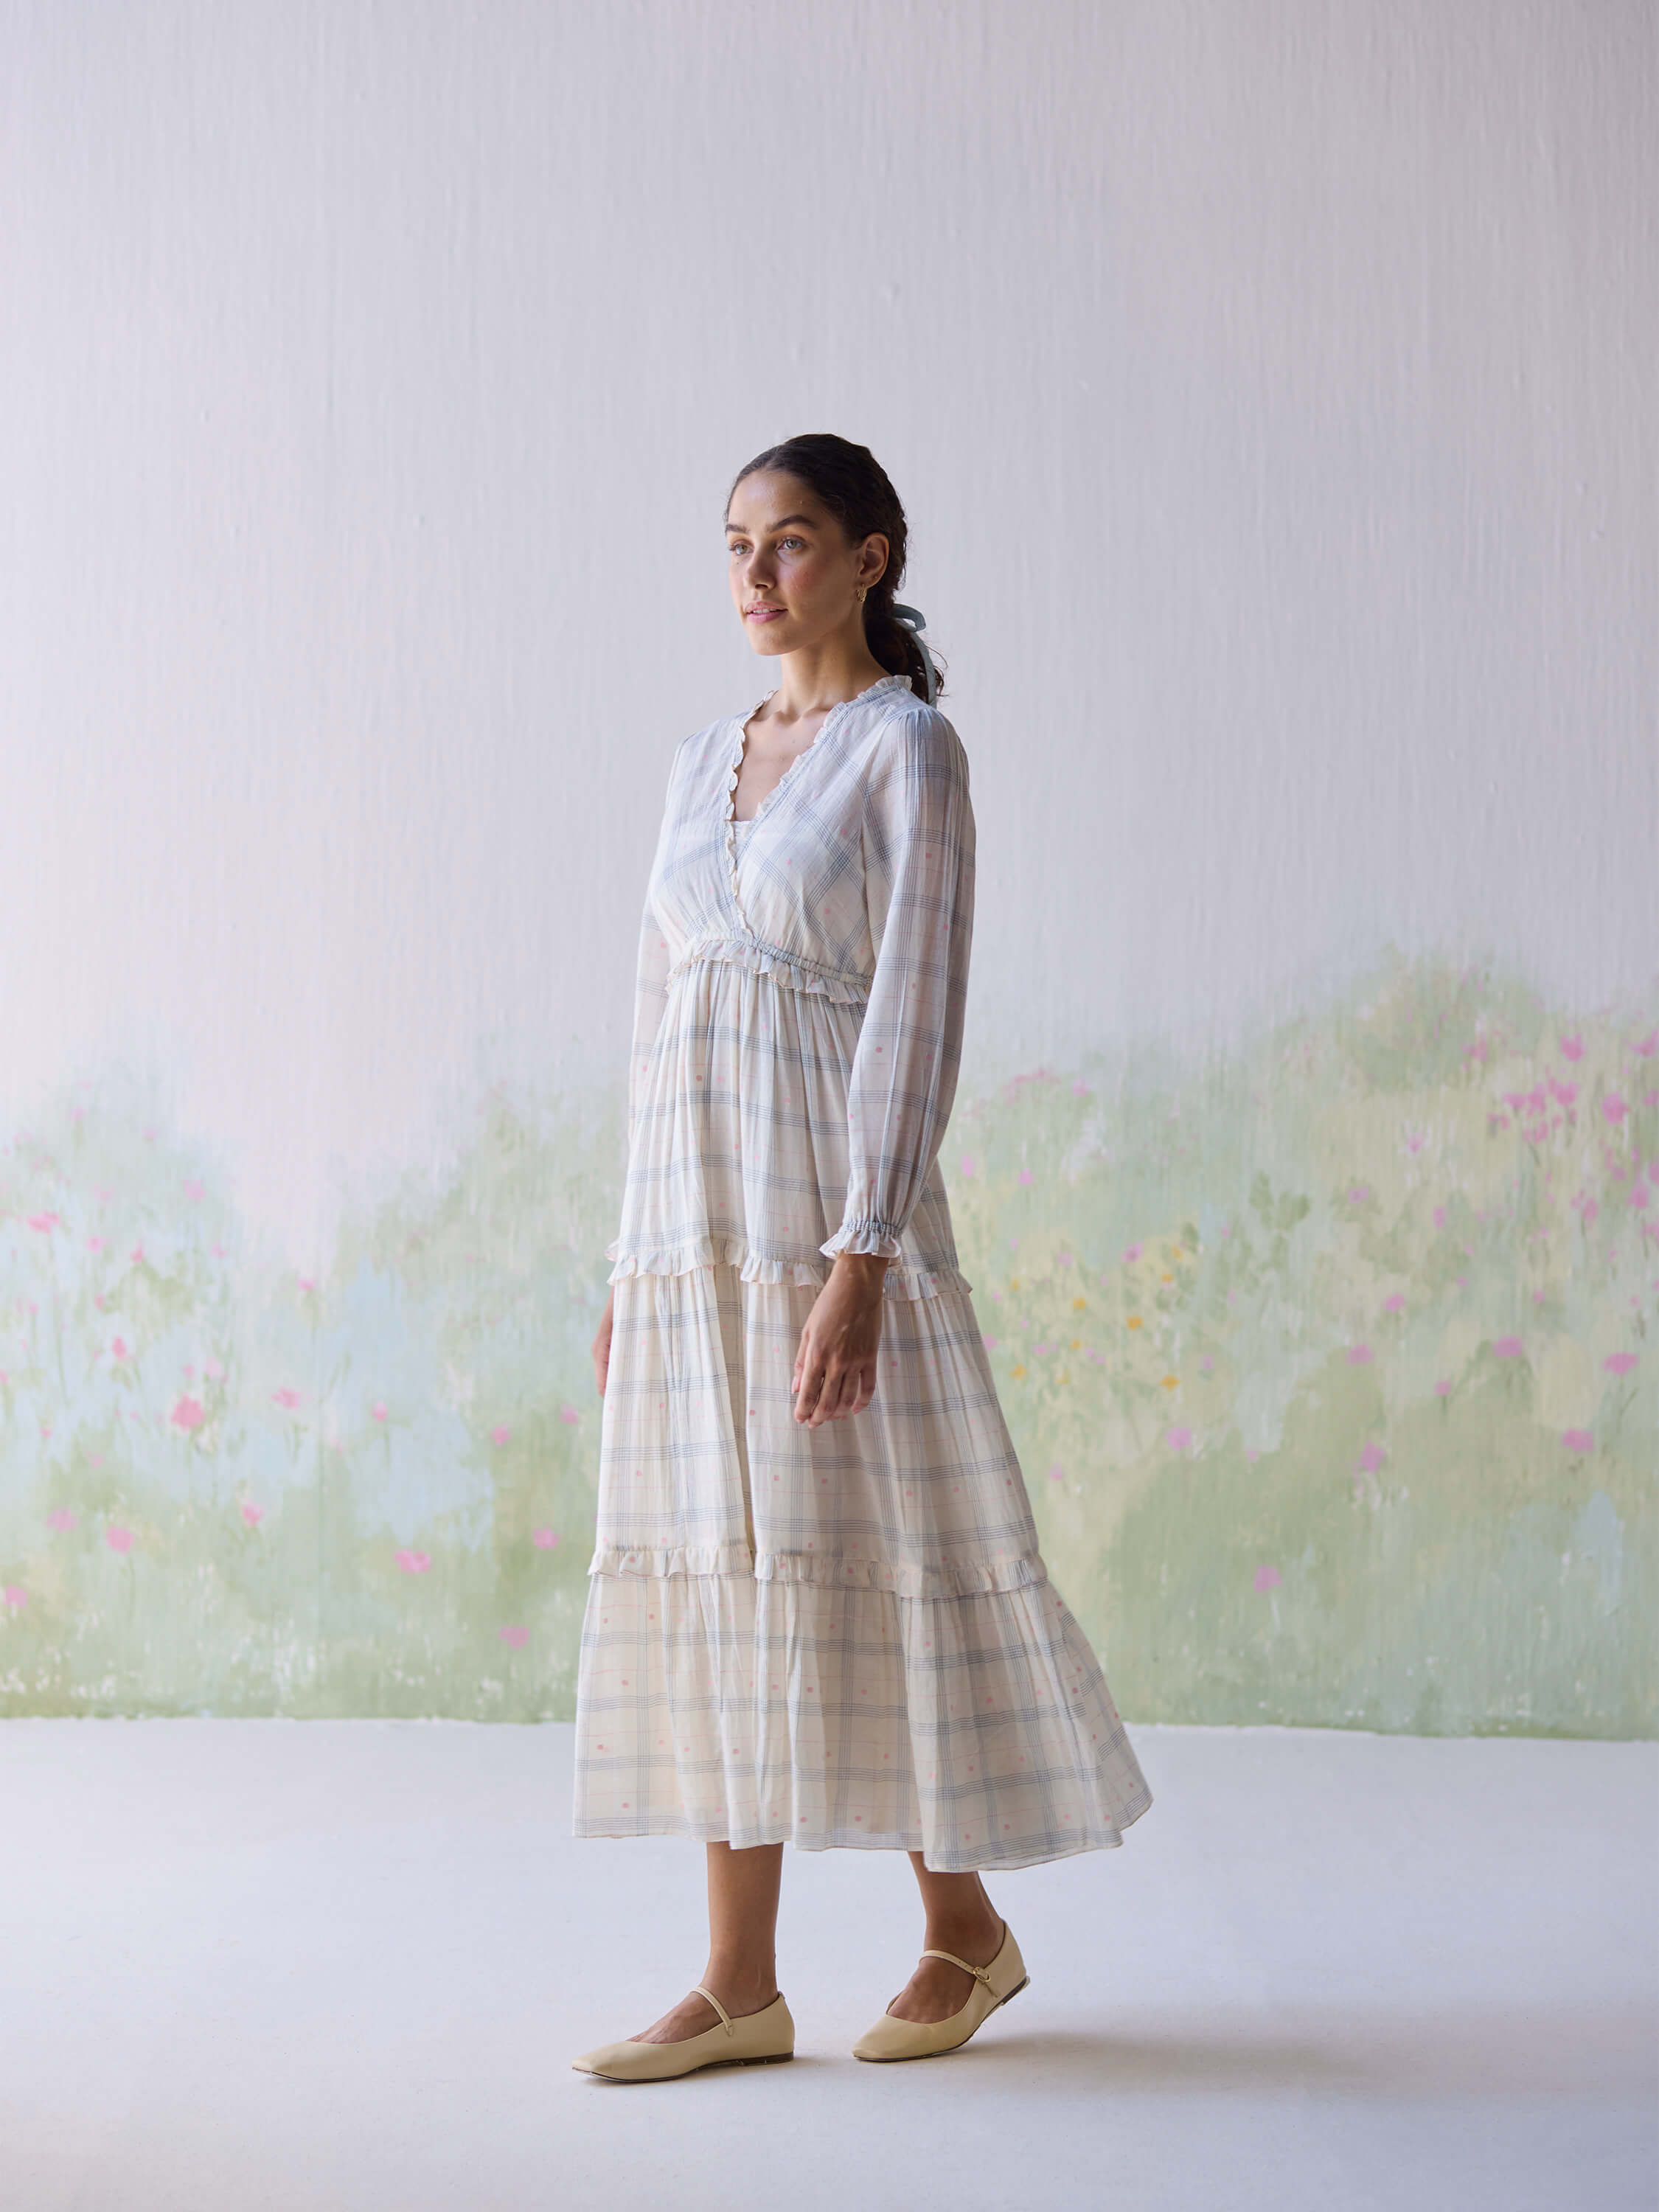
(839, 1636)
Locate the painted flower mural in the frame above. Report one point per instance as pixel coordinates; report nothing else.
(1338, 1359)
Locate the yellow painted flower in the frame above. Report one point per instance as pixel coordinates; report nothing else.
(1063, 1377)
(1134, 1322)
(1018, 1374)
(1170, 1381)
(1013, 1282)
(1077, 1344)
(1166, 1278)
(1077, 1304)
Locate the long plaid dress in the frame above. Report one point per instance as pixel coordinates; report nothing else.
(844, 1635)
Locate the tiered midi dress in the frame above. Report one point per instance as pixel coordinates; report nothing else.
(844, 1635)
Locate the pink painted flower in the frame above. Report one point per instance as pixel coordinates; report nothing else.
(16, 1596)
(60, 1518)
(516, 1637)
(1372, 1457)
(414, 1563)
(95, 1244)
(285, 1396)
(1572, 1047)
(1506, 1348)
(1177, 1439)
(1358, 1192)
(305, 1282)
(193, 1189)
(44, 1223)
(1620, 1363)
(189, 1413)
(989, 1342)
(1251, 1454)
(1394, 1303)
(1415, 1140)
(545, 1540)
(1131, 1253)
(1440, 1217)
(211, 1366)
(570, 1415)
(967, 1163)
(1080, 1089)
(1267, 1578)
(378, 1409)
(1443, 1387)
(118, 1540)
(502, 1435)
(252, 1514)
(1578, 1440)
(1613, 1106)
(1360, 1355)
(1025, 1174)
(1648, 1045)
(1056, 1473)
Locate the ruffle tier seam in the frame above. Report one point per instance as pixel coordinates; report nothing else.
(960, 1579)
(904, 1278)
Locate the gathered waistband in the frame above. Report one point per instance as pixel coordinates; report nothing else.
(794, 970)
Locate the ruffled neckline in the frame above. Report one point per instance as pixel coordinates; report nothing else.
(734, 761)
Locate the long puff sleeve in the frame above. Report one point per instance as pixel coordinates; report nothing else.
(920, 888)
(650, 997)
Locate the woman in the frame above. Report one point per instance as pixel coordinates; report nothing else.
(816, 1609)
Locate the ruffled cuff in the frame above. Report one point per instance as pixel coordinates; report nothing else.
(880, 1239)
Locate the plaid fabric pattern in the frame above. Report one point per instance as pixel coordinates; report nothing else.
(845, 1636)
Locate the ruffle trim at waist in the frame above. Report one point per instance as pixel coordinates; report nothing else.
(793, 969)
(902, 1280)
(957, 1578)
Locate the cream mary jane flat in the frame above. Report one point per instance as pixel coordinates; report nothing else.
(753, 2038)
(1004, 1977)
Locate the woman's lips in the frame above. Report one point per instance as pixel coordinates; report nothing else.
(762, 614)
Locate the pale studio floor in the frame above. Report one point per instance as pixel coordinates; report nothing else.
(320, 1965)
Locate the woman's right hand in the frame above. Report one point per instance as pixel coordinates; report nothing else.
(601, 1346)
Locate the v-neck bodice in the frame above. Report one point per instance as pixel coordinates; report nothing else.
(799, 1003)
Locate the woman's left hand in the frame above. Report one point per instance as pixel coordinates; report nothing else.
(836, 1364)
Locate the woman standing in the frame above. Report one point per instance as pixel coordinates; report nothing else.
(816, 1609)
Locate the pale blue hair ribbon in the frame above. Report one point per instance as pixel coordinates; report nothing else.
(916, 622)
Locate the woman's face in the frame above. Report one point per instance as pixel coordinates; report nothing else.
(794, 577)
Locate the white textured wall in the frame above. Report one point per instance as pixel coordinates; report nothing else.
(1270, 386)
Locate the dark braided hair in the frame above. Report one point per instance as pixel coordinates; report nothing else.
(853, 485)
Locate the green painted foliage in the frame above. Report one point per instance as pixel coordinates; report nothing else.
(1331, 1366)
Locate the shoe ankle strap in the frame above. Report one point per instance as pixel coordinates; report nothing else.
(979, 1973)
(725, 2015)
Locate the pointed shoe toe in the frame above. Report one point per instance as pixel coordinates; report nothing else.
(1004, 1977)
(755, 2038)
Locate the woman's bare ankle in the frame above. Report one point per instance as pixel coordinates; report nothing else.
(743, 1988)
